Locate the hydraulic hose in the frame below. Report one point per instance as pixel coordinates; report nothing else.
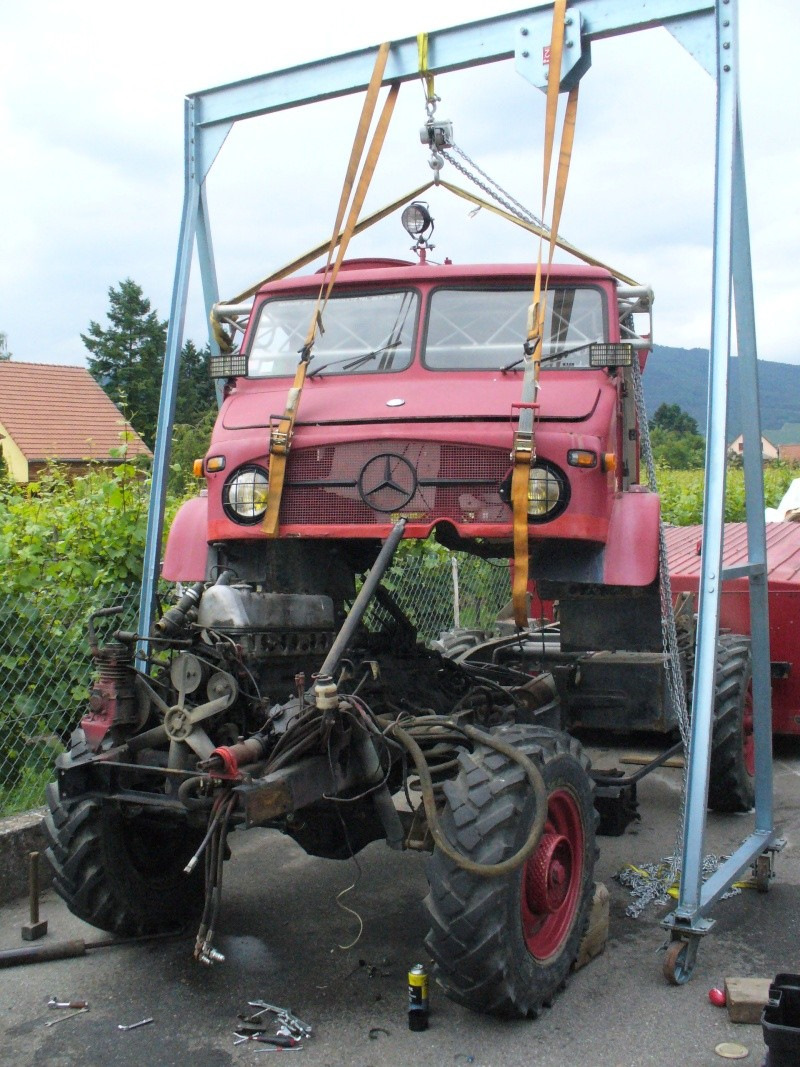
(486, 870)
(190, 802)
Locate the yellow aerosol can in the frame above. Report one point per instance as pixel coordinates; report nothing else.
(418, 998)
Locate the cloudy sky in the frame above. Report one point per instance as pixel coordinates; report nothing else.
(91, 120)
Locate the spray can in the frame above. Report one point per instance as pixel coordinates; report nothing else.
(418, 998)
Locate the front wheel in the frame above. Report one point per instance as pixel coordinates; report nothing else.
(505, 945)
(122, 870)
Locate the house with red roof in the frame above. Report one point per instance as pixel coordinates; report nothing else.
(50, 412)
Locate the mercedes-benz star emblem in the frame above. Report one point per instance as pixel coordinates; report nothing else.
(387, 482)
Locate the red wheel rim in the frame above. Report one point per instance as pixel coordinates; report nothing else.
(552, 878)
(748, 743)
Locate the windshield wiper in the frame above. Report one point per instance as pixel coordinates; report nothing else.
(547, 359)
(351, 364)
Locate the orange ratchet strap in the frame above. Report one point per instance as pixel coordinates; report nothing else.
(524, 452)
(282, 429)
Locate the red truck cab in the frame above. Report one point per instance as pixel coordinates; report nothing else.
(409, 410)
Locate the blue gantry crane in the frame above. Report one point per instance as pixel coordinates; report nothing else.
(709, 31)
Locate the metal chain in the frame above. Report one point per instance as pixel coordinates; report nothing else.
(663, 875)
(669, 633)
(491, 187)
(650, 883)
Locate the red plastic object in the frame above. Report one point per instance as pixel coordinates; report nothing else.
(230, 765)
(717, 997)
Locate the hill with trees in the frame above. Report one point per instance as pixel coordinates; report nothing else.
(680, 376)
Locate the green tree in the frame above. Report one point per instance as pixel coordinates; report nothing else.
(196, 395)
(4, 353)
(675, 439)
(673, 419)
(677, 451)
(127, 358)
(189, 442)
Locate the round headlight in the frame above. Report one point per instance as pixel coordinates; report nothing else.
(244, 497)
(416, 219)
(545, 492)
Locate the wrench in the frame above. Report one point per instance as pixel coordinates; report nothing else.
(279, 1040)
(271, 1048)
(62, 1018)
(134, 1026)
(296, 1026)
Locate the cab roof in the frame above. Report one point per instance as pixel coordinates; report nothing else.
(390, 272)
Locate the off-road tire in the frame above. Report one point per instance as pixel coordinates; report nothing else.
(493, 952)
(731, 782)
(119, 871)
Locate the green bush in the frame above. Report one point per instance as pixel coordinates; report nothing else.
(681, 492)
(67, 547)
(73, 533)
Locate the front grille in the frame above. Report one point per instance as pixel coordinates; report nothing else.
(421, 480)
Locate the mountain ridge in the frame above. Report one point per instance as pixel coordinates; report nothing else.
(680, 376)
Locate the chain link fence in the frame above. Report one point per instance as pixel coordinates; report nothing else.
(46, 669)
(45, 673)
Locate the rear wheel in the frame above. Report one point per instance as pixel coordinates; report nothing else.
(120, 870)
(505, 945)
(732, 779)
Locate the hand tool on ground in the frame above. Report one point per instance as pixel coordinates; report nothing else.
(284, 1015)
(62, 950)
(134, 1026)
(279, 1040)
(63, 1018)
(37, 927)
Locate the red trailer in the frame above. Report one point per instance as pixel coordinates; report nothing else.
(783, 576)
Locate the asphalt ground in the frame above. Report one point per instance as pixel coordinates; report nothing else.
(281, 931)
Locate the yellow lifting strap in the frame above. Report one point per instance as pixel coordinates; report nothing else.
(531, 227)
(282, 429)
(389, 209)
(524, 451)
(377, 216)
(422, 51)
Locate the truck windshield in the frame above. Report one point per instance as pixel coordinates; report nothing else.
(363, 334)
(484, 329)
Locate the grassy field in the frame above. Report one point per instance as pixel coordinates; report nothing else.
(682, 492)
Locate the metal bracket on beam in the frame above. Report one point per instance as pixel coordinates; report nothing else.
(696, 35)
(532, 50)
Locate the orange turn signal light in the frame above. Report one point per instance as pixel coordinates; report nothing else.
(581, 457)
(609, 462)
(197, 468)
(214, 464)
